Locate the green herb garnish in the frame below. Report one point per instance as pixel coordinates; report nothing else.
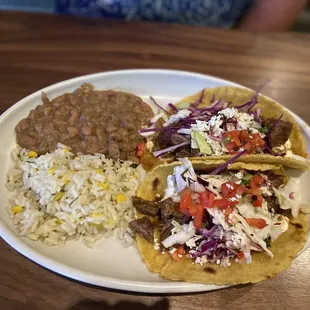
(263, 130)
(245, 183)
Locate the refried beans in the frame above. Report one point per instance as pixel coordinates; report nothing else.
(87, 121)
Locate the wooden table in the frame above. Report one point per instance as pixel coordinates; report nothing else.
(38, 50)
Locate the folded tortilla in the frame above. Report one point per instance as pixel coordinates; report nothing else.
(270, 109)
(285, 248)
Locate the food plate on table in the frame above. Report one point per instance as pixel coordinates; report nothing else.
(67, 187)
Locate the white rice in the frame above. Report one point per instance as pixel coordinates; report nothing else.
(95, 203)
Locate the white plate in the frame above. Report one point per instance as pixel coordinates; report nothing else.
(108, 264)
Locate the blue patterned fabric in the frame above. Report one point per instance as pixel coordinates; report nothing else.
(212, 13)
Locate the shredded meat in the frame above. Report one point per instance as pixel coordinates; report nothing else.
(143, 227)
(168, 210)
(272, 204)
(280, 133)
(275, 179)
(162, 141)
(166, 230)
(145, 206)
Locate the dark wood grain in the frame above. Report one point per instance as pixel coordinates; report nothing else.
(38, 50)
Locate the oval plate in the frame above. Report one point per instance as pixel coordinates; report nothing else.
(108, 264)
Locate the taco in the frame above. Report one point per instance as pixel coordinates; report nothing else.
(241, 225)
(223, 122)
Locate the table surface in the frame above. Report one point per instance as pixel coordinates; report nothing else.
(39, 50)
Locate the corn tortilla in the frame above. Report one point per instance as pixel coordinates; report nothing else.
(285, 248)
(270, 109)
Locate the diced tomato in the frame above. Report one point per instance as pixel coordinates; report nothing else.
(243, 135)
(192, 210)
(241, 190)
(255, 191)
(185, 200)
(227, 138)
(211, 199)
(258, 201)
(181, 250)
(175, 256)
(228, 211)
(224, 203)
(257, 180)
(249, 147)
(203, 197)
(258, 223)
(257, 140)
(235, 134)
(231, 189)
(241, 256)
(255, 184)
(231, 146)
(140, 149)
(225, 189)
(198, 216)
(206, 199)
(228, 189)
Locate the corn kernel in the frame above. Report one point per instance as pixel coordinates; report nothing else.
(58, 196)
(103, 185)
(97, 215)
(72, 218)
(51, 170)
(77, 158)
(100, 226)
(120, 198)
(111, 222)
(65, 179)
(66, 150)
(59, 221)
(99, 171)
(32, 154)
(17, 209)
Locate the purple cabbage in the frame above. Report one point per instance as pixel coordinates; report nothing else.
(173, 107)
(199, 100)
(213, 246)
(268, 135)
(229, 121)
(160, 107)
(170, 149)
(230, 161)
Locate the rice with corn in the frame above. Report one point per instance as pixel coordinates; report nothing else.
(59, 196)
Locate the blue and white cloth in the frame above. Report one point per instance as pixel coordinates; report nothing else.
(211, 13)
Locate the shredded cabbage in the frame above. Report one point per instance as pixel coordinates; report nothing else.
(294, 203)
(187, 232)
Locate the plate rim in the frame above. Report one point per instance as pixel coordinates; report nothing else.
(30, 253)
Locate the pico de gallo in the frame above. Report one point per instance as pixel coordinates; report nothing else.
(220, 218)
(219, 129)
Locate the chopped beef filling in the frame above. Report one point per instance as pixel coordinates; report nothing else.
(166, 230)
(275, 179)
(280, 133)
(163, 140)
(273, 204)
(145, 206)
(143, 227)
(167, 211)
(166, 208)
